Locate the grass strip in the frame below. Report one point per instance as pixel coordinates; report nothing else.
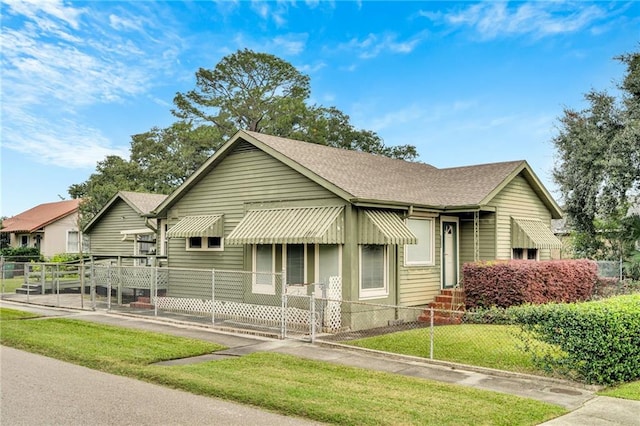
(626, 391)
(7, 314)
(285, 384)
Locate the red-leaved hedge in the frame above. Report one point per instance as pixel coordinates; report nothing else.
(514, 282)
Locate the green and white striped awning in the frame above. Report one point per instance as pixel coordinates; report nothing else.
(293, 225)
(532, 233)
(198, 226)
(383, 227)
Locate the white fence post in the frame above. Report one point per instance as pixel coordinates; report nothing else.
(213, 296)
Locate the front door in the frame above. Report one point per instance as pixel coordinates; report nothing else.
(449, 228)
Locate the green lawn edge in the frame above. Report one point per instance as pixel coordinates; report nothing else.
(284, 384)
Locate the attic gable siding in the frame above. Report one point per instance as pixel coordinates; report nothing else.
(244, 176)
(105, 237)
(519, 200)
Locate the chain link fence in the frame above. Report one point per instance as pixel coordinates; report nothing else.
(261, 303)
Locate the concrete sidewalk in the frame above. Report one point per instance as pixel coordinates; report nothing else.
(580, 399)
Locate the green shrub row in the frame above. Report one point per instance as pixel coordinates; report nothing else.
(596, 342)
(21, 254)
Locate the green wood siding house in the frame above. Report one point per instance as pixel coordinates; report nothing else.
(122, 229)
(396, 232)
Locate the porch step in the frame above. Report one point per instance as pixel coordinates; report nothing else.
(142, 303)
(448, 308)
(29, 289)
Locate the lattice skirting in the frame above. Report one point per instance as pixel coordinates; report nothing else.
(232, 310)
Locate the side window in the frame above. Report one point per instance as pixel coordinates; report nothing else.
(373, 271)
(205, 243)
(73, 241)
(420, 254)
(263, 281)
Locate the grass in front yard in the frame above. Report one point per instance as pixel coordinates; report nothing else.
(288, 385)
(9, 285)
(491, 346)
(626, 391)
(7, 314)
(98, 346)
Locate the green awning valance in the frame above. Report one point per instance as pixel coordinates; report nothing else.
(198, 226)
(295, 225)
(532, 233)
(383, 227)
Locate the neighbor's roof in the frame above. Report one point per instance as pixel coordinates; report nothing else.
(40, 216)
(141, 202)
(363, 177)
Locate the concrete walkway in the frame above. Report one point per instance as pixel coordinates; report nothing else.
(581, 400)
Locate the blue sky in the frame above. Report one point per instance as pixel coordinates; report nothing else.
(465, 82)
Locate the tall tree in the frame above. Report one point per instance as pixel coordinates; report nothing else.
(598, 165)
(262, 93)
(113, 174)
(246, 90)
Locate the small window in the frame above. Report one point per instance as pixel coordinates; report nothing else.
(205, 243)
(525, 253)
(373, 271)
(24, 241)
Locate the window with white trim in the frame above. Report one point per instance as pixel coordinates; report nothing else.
(73, 242)
(205, 244)
(296, 265)
(264, 263)
(420, 254)
(525, 253)
(374, 272)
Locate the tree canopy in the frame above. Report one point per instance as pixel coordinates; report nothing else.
(245, 90)
(598, 166)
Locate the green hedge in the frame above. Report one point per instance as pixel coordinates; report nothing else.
(596, 342)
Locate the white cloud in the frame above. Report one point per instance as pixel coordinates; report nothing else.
(538, 19)
(58, 60)
(374, 44)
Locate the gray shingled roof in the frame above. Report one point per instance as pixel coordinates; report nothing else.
(143, 201)
(373, 177)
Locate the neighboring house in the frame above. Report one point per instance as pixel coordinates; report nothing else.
(50, 227)
(121, 228)
(396, 232)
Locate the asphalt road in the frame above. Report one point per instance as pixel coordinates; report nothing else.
(36, 390)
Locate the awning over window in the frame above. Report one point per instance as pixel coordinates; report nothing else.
(532, 233)
(198, 226)
(295, 225)
(384, 227)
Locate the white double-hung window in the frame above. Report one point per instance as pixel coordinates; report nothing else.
(420, 254)
(264, 265)
(374, 271)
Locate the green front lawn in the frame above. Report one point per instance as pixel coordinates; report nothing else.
(285, 384)
(491, 346)
(10, 284)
